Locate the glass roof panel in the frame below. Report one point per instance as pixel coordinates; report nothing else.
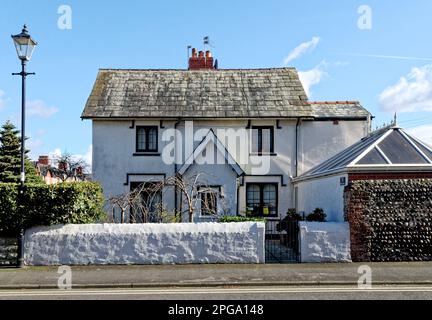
(399, 150)
(372, 157)
(425, 150)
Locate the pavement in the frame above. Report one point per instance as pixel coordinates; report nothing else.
(163, 276)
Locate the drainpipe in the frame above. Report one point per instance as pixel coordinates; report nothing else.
(296, 146)
(175, 166)
(238, 196)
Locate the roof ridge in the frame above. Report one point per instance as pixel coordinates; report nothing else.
(335, 102)
(213, 70)
(383, 129)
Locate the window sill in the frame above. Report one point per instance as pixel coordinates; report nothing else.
(146, 154)
(261, 154)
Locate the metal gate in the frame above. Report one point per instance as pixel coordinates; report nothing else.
(281, 241)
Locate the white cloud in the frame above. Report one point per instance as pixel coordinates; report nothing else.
(383, 56)
(312, 77)
(87, 157)
(412, 92)
(55, 154)
(2, 99)
(39, 108)
(301, 49)
(423, 133)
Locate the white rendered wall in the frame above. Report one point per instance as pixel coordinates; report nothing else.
(326, 193)
(114, 148)
(324, 242)
(105, 244)
(113, 159)
(320, 140)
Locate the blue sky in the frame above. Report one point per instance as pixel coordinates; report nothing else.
(387, 67)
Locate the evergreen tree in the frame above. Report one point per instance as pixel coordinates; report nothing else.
(10, 157)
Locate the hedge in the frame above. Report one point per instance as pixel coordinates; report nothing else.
(240, 219)
(45, 205)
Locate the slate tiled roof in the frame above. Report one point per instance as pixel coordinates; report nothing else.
(339, 109)
(226, 93)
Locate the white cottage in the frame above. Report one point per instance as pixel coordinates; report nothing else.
(247, 133)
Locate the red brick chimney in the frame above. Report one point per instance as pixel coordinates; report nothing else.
(201, 60)
(44, 160)
(62, 165)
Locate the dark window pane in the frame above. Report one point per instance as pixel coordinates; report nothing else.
(266, 140)
(269, 199)
(426, 151)
(152, 137)
(261, 199)
(373, 157)
(148, 205)
(253, 199)
(147, 139)
(399, 150)
(255, 141)
(209, 203)
(262, 140)
(141, 139)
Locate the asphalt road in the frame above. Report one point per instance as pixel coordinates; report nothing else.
(233, 293)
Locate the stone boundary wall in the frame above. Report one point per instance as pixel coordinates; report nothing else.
(390, 220)
(176, 243)
(324, 242)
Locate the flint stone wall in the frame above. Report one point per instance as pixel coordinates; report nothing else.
(177, 243)
(390, 220)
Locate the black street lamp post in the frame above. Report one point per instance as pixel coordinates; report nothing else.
(25, 46)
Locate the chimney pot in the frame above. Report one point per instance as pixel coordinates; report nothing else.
(203, 60)
(44, 160)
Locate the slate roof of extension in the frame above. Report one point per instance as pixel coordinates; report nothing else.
(223, 93)
(387, 148)
(339, 109)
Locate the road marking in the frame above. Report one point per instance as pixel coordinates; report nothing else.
(200, 291)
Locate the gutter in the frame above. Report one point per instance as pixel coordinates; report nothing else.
(321, 175)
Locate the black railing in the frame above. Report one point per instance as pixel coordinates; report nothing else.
(281, 241)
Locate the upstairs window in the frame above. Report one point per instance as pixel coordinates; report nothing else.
(147, 139)
(262, 140)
